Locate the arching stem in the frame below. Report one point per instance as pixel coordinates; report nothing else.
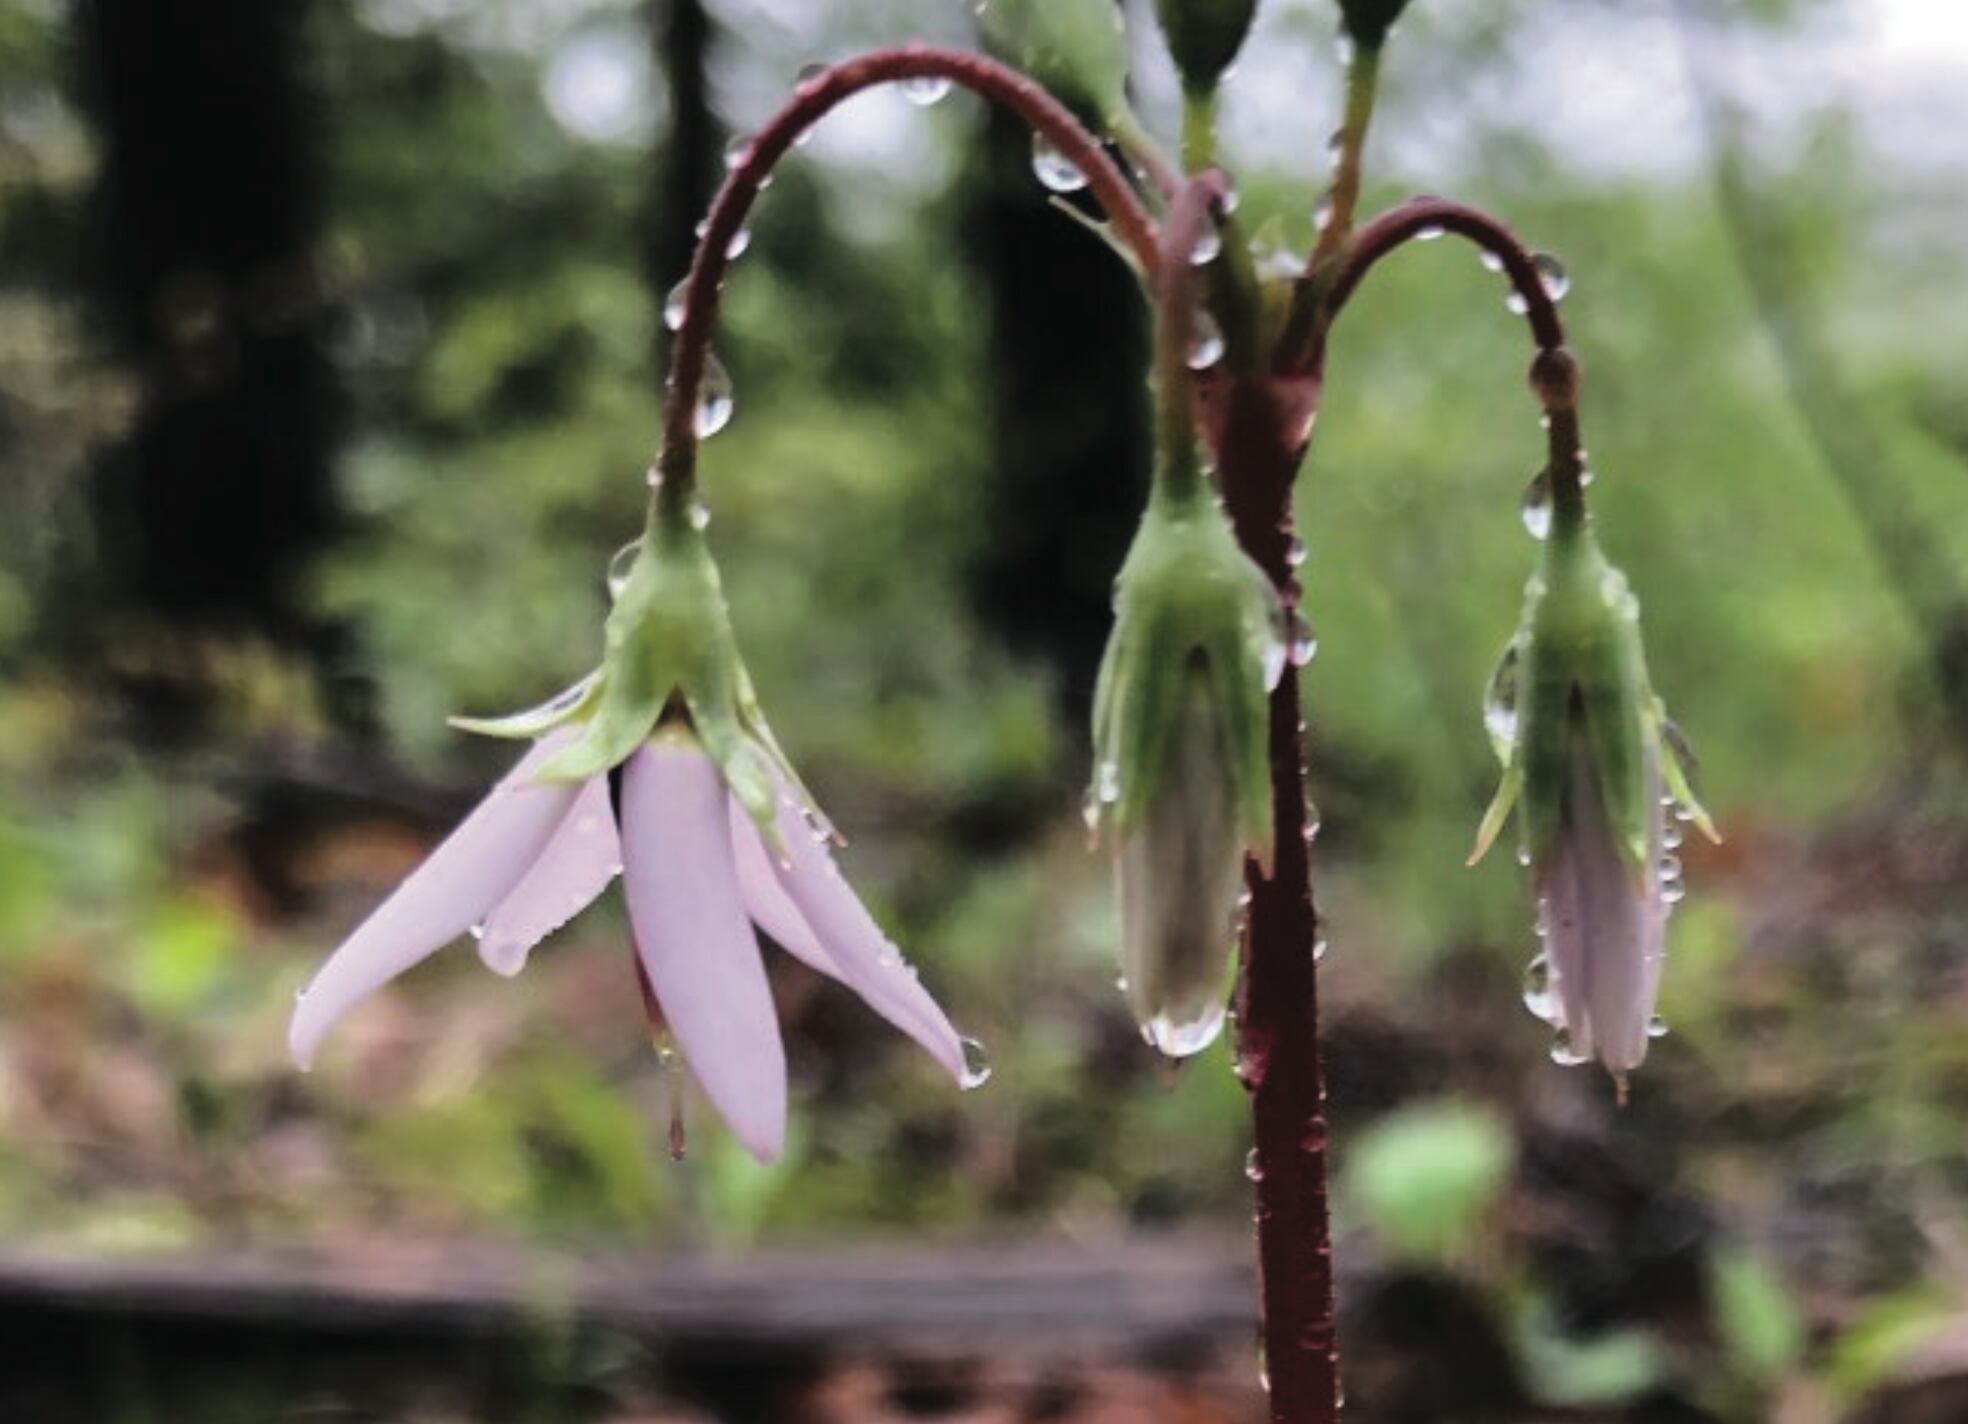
(813, 98)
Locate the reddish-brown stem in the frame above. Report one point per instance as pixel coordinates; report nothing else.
(812, 99)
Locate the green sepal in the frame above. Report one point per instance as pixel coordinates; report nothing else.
(1508, 788)
(1675, 772)
(1189, 602)
(1204, 36)
(535, 722)
(1076, 48)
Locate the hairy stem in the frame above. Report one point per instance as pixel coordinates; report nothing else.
(814, 97)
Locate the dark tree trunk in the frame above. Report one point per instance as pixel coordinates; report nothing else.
(206, 220)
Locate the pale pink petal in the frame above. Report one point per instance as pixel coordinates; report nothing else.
(583, 856)
(445, 896)
(697, 946)
(766, 902)
(868, 962)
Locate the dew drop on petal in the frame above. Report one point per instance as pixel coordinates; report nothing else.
(1657, 1027)
(1551, 275)
(477, 930)
(620, 566)
(976, 1066)
(714, 399)
(1205, 342)
(1055, 170)
(1535, 507)
(923, 90)
(1565, 1053)
(1253, 1169)
(1209, 246)
(1540, 995)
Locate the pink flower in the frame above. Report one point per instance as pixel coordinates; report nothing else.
(699, 877)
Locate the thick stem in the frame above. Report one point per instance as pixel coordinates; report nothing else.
(1176, 289)
(813, 98)
(1259, 440)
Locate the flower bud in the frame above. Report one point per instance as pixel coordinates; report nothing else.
(1077, 48)
(1204, 36)
(1181, 782)
(1586, 762)
(1368, 21)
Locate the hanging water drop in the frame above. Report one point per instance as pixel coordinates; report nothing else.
(976, 1066)
(1565, 1053)
(1515, 302)
(1491, 262)
(1107, 782)
(738, 152)
(673, 306)
(621, 565)
(1430, 233)
(1322, 215)
(1500, 700)
(1209, 246)
(1253, 1169)
(1540, 994)
(1180, 1038)
(1319, 950)
(700, 513)
(1657, 1027)
(1304, 642)
(741, 241)
(1274, 655)
(1535, 507)
(810, 76)
(1205, 342)
(923, 90)
(1552, 275)
(714, 399)
(1672, 836)
(1055, 170)
(1295, 553)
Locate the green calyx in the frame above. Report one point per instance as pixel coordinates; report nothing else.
(1576, 668)
(669, 656)
(1077, 48)
(1204, 36)
(1195, 619)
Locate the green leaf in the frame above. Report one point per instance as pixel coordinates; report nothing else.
(1757, 1318)
(1426, 1178)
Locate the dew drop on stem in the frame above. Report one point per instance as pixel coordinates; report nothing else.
(1205, 342)
(1535, 507)
(1054, 169)
(621, 565)
(923, 90)
(714, 399)
(810, 75)
(673, 306)
(1552, 275)
(1304, 643)
(1253, 1169)
(1491, 262)
(1209, 246)
(1430, 233)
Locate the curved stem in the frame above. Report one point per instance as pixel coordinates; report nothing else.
(813, 98)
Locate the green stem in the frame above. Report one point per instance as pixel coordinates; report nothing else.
(1362, 85)
(1178, 470)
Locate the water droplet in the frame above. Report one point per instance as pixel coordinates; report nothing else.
(976, 1066)
(1565, 1053)
(1121, 983)
(1524, 859)
(1431, 233)
(922, 90)
(477, 930)
(653, 477)
(1657, 1027)
(1515, 303)
(1335, 143)
(1304, 642)
(1672, 836)
(700, 513)
(1343, 48)
(738, 152)
(1253, 1169)
(1055, 170)
(621, 565)
(714, 399)
(810, 75)
(1319, 950)
(1673, 892)
(1500, 699)
(1322, 215)
(673, 305)
(1205, 342)
(1540, 993)
(1107, 782)
(1535, 507)
(1179, 1038)
(1209, 246)
(816, 825)
(1670, 867)
(1551, 275)
(1090, 813)
(741, 241)
(1491, 262)
(1295, 553)
(1273, 656)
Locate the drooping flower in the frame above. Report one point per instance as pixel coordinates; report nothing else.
(658, 767)
(1592, 764)
(1181, 780)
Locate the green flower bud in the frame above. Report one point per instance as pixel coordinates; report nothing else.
(1589, 761)
(1181, 783)
(1204, 36)
(1368, 21)
(1077, 48)
(669, 650)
